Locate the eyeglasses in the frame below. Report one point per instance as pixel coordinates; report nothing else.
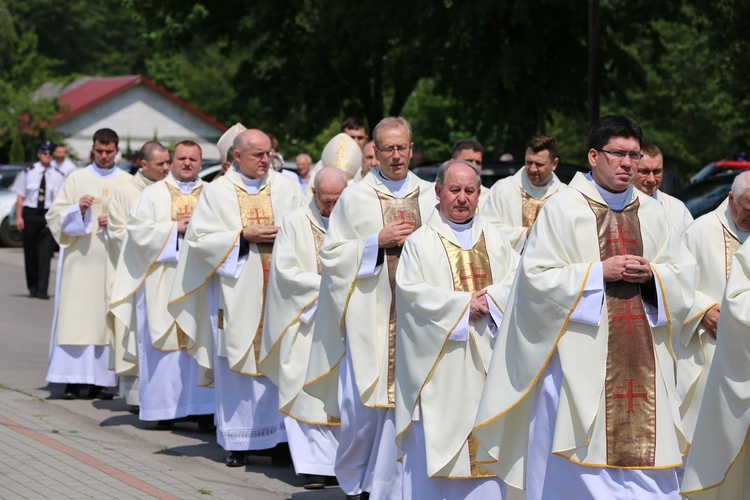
(620, 155)
(389, 150)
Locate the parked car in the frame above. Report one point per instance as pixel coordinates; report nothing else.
(9, 234)
(494, 171)
(711, 185)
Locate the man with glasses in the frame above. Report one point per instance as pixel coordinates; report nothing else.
(580, 392)
(648, 179)
(36, 188)
(78, 220)
(514, 202)
(353, 351)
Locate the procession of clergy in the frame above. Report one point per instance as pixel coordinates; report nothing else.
(416, 340)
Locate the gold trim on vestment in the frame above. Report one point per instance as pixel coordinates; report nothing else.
(726, 473)
(731, 245)
(393, 209)
(530, 208)
(183, 204)
(256, 209)
(630, 384)
(318, 236)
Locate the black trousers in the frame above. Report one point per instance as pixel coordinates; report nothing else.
(38, 247)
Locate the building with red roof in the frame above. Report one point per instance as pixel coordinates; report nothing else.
(133, 106)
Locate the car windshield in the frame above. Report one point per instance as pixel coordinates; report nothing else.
(6, 179)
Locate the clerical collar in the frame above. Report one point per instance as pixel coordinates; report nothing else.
(185, 187)
(616, 201)
(325, 222)
(252, 186)
(462, 231)
(145, 179)
(397, 188)
(103, 172)
(537, 191)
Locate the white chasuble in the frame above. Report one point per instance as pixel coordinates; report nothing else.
(712, 240)
(560, 256)
(211, 249)
(718, 466)
(437, 376)
(124, 359)
(356, 305)
(81, 304)
(149, 259)
(677, 212)
(293, 289)
(513, 204)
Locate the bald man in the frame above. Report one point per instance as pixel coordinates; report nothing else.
(221, 284)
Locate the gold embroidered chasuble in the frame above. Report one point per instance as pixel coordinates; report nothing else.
(436, 280)
(396, 210)
(293, 287)
(539, 323)
(257, 209)
(712, 239)
(513, 208)
(151, 227)
(630, 381)
(210, 273)
(530, 208)
(356, 311)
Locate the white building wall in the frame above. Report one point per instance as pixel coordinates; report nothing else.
(138, 115)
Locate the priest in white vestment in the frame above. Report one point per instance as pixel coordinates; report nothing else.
(352, 356)
(452, 284)
(514, 202)
(473, 152)
(218, 294)
(291, 305)
(712, 239)
(648, 179)
(168, 375)
(580, 398)
(81, 335)
(154, 166)
(718, 466)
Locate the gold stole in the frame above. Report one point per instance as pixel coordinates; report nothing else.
(403, 210)
(530, 208)
(318, 236)
(471, 272)
(182, 206)
(731, 245)
(257, 209)
(630, 386)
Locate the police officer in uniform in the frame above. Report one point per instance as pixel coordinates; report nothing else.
(36, 188)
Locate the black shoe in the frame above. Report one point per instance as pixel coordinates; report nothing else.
(43, 296)
(365, 495)
(97, 392)
(134, 409)
(314, 482)
(32, 293)
(331, 480)
(206, 423)
(165, 425)
(236, 459)
(71, 392)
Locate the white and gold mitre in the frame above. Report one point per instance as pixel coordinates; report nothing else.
(226, 140)
(343, 153)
